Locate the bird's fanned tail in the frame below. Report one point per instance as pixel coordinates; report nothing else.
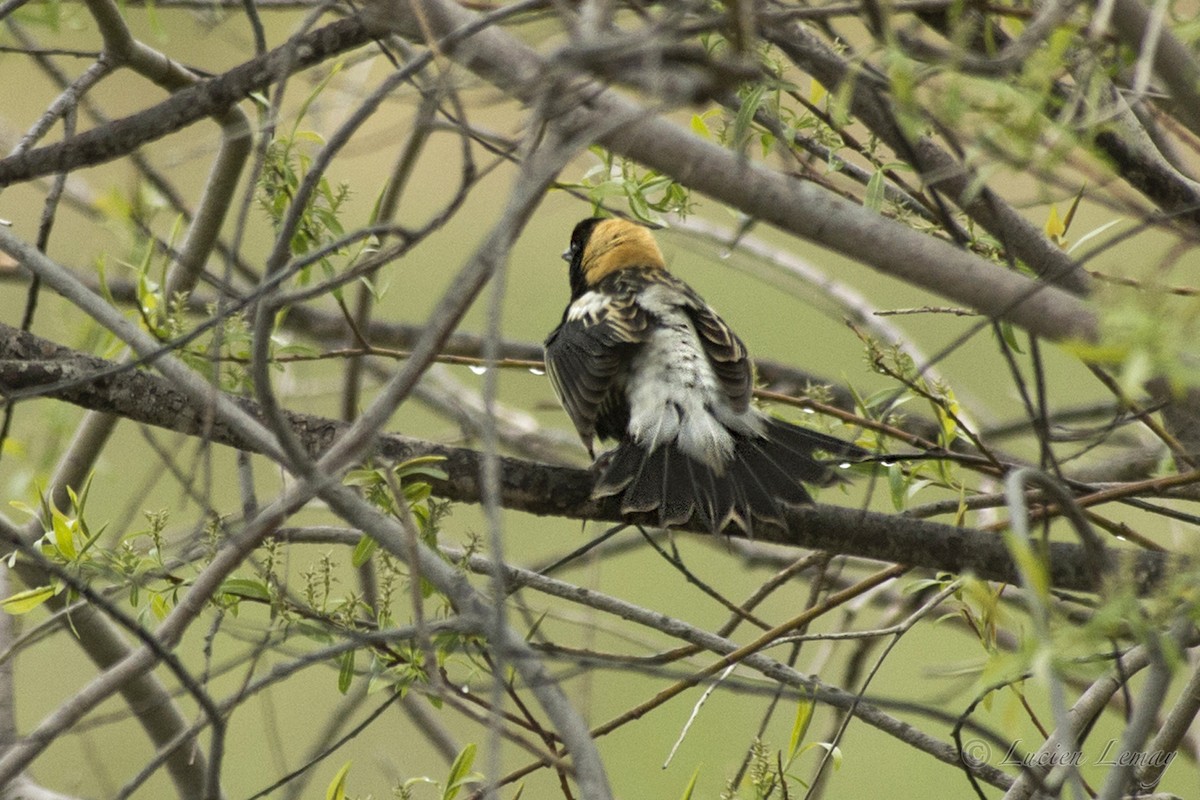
(762, 480)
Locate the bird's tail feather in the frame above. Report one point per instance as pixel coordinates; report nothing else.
(759, 484)
(793, 446)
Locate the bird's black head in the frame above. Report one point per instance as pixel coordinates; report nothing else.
(573, 255)
(601, 246)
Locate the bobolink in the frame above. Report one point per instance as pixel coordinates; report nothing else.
(640, 358)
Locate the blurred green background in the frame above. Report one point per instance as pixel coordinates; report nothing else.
(776, 316)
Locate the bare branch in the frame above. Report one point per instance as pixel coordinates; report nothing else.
(210, 97)
(30, 363)
(794, 206)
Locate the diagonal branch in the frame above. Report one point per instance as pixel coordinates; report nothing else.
(29, 362)
(206, 98)
(795, 206)
(937, 167)
(630, 129)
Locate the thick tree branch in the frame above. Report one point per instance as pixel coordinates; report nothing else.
(30, 363)
(938, 168)
(566, 84)
(1173, 61)
(795, 206)
(1136, 155)
(798, 207)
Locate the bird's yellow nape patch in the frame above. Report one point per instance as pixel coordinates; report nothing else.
(617, 244)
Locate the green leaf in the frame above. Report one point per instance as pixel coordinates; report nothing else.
(1010, 336)
(26, 601)
(309, 136)
(248, 588)
(92, 538)
(768, 142)
(64, 536)
(337, 787)
(417, 781)
(637, 203)
(363, 477)
(745, 116)
(417, 492)
(1055, 228)
(1030, 563)
(24, 508)
(537, 623)
(346, 671)
(690, 789)
(363, 550)
(816, 92)
(921, 584)
(874, 197)
(156, 24)
(460, 773)
(885, 397)
(839, 104)
(315, 93)
(897, 485)
(947, 413)
(804, 713)
(312, 631)
(835, 753)
(422, 466)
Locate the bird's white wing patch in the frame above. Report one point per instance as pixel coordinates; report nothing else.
(587, 308)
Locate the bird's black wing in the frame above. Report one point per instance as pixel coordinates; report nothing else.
(587, 356)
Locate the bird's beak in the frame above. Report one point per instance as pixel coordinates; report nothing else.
(566, 255)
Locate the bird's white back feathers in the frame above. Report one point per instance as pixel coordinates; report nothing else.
(673, 393)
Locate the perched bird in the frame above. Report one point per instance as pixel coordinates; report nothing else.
(640, 358)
